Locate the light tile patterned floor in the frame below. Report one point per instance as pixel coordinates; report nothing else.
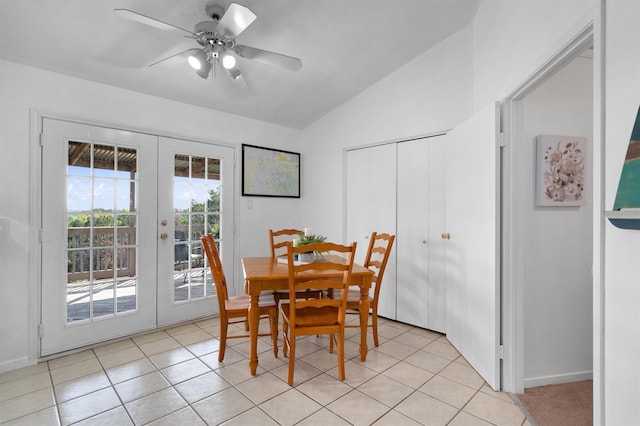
(172, 377)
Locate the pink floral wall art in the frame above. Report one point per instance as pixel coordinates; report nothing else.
(560, 170)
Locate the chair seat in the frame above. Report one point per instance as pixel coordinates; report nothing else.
(243, 301)
(354, 297)
(312, 317)
(306, 294)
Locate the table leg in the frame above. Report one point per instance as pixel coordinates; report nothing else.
(254, 319)
(364, 320)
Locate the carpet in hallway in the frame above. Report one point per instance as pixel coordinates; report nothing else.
(560, 405)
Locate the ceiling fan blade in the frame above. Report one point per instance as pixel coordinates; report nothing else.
(267, 57)
(184, 53)
(143, 19)
(235, 20)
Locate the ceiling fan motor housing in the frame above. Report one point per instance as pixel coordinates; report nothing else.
(208, 36)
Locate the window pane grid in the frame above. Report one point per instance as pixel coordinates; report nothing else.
(101, 231)
(196, 206)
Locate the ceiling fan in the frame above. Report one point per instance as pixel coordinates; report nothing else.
(217, 40)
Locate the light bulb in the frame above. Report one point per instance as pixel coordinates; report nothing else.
(197, 59)
(194, 62)
(228, 61)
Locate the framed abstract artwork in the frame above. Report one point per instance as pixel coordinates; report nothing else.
(560, 170)
(268, 172)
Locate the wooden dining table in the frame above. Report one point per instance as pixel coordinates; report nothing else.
(268, 273)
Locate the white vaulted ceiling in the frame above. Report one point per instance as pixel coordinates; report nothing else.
(345, 47)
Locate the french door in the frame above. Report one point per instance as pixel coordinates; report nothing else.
(122, 213)
(192, 201)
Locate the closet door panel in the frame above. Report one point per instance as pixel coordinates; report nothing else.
(382, 207)
(357, 198)
(412, 276)
(370, 206)
(437, 226)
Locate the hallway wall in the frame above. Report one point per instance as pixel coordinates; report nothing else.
(555, 244)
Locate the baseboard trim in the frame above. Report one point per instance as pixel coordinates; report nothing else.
(14, 364)
(558, 379)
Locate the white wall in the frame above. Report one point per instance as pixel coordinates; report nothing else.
(25, 88)
(622, 247)
(555, 243)
(430, 94)
(512, 38)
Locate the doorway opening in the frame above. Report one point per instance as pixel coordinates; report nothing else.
(549, 249)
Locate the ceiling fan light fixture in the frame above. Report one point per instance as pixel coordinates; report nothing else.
(228, 61)
(198, 60)
(234, 72)
(216, 38)
(205, 69)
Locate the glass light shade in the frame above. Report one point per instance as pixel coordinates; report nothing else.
(198, 59)
(228, 61)
(234, 72)
(205, 69)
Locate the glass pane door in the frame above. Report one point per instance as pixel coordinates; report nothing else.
(101, 231)
(196, 197)
(97, 184)
(196, 206)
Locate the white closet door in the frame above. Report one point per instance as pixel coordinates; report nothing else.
(371, 206)
(437, 226)
(421, 270)
(473, 250)
(412, 282)
(357, 199)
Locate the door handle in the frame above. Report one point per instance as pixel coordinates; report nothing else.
(446, 236)
(164, 236)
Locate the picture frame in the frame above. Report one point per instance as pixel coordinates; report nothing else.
(560, 170)
(269, 172)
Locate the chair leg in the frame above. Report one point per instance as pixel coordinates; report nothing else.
(224, 325)
(292, 357)
(273, 322)
(340, 345)
(285, 345)
(374, 325)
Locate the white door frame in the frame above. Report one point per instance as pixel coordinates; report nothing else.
(513, 303)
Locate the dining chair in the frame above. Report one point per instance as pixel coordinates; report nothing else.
(278, 240)
(326, 315)
(376, 259)
(235, 309)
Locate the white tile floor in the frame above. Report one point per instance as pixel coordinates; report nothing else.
(172, 377)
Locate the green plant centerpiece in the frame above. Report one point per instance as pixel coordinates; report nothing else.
(310, 239)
